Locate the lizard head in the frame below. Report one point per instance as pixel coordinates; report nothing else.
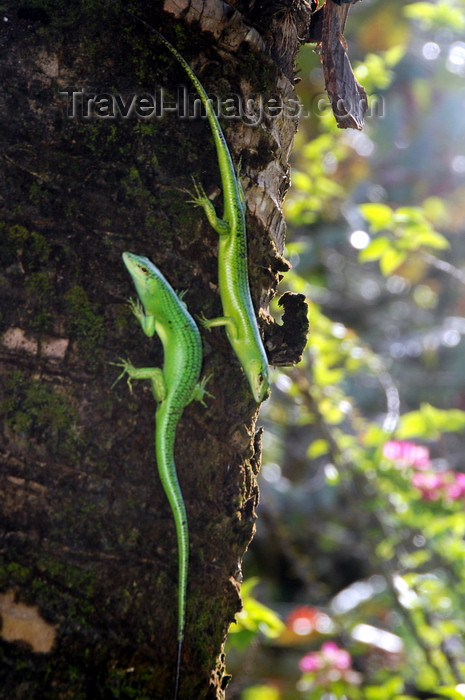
(146, 277)
(258, 379)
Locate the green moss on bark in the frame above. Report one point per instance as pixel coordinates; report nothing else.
(35, 411)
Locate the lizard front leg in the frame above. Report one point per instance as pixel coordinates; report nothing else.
(147, 322)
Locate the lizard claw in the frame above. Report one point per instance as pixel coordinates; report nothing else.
(136, 307)
(200, 390)
(198, 196)
(203, 320)
(124, 364)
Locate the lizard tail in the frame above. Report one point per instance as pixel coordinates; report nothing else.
(166, 422)
(178, 670)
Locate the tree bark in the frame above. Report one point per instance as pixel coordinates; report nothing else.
(88, 568)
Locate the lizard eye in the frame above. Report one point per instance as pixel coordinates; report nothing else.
(144, 269)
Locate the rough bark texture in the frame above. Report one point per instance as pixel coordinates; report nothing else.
(88, 557)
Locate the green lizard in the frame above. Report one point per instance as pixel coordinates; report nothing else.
(174, 387)
(238, 311)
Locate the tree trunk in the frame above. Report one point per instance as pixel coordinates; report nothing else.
(88, 572)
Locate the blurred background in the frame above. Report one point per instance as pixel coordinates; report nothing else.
(354, 586)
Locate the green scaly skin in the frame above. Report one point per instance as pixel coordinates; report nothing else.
(174, 387)
(238, 311)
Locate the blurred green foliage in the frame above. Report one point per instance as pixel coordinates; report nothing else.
(253, 619)
(360, 540)
(407, 230)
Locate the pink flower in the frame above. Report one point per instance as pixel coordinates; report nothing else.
(429, 484)
(329, 664)
(330, 656)
(446, 484)
(336, 657)
(407, 454)
(456, 489)
(311, 662)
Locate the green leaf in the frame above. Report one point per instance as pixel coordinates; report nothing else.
(374, 436)
(453, 524)
(374, 249)
(374, 72)
(391, 260)
(379, 216)
(436, 210)
(405, 215)
(240, 638)
(386, 549)
(261, 692)
(433, 239)
(414, 230)
(256, 617)
(440, 14)
(430, 422)
(248, 585)
(453, 692)
(413, 560)
(302, 181)
(387, 691)
(393, 55)
(317, 449)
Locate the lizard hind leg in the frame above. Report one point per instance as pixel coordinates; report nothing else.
(155, 374)
(200, 391)
(226, 321)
